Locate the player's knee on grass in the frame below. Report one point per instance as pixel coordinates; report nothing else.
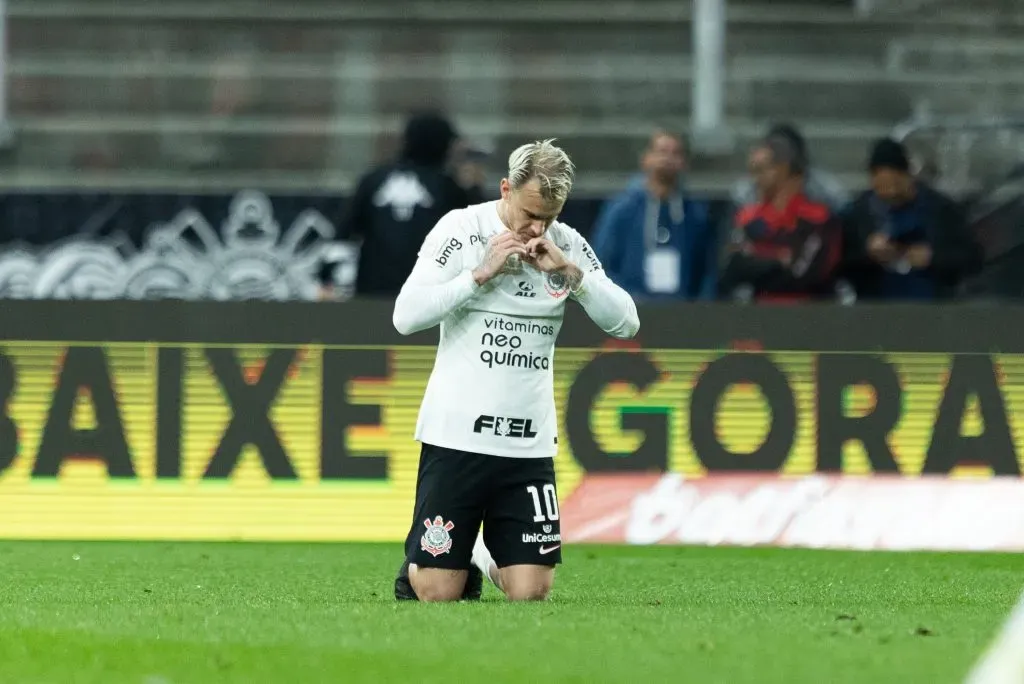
(437, 584)
(527, 582)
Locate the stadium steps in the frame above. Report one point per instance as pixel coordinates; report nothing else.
(593, 91)
(456, 11)
(304, 182)
(316, 90)
(137, 144)
(922, 55)
(446, 11)
(126, 37)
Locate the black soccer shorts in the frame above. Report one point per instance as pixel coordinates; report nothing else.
(514, 498)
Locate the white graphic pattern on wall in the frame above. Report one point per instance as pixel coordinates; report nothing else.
(186, 258)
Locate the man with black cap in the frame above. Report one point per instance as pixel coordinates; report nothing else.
(904, 239)
(395, 206)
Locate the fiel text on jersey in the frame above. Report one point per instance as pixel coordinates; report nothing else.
(505, 427)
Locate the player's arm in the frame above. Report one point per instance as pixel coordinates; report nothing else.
(438, 284)
(607, 304)
(441, 282)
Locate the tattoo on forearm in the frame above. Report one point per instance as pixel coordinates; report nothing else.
(494, 260)
(490, 255)
(573, 278)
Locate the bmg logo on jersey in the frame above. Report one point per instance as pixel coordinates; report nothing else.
(449, 249)
(515, 428)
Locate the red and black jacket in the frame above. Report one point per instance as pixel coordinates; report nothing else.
(788, 254)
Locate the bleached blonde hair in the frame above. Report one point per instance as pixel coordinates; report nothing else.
(549, 164)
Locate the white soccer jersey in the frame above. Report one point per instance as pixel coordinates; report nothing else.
(492, 387)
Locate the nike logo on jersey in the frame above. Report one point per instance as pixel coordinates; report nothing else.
(545, 550)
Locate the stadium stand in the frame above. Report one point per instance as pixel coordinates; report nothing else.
(305, 95)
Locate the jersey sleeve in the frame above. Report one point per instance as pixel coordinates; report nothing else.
(607, 304)
(441, 281)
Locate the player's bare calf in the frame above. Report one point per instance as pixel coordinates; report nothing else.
(527, 582)
(437, 584)
(520, 582)
(517, 582)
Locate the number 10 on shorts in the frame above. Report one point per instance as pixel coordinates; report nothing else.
(550, 503)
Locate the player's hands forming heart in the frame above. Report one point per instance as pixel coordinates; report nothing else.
(500, 250)
(545, 255)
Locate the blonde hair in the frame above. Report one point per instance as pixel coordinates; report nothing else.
(549, 164)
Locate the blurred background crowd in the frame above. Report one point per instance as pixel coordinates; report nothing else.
(738, 150)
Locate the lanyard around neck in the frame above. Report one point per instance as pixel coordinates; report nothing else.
(655, 234)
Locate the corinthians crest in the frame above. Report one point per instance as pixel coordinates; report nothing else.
(186, 258)
(556, 284)
(436, 540)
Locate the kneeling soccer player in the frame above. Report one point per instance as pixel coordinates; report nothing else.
(496, 277)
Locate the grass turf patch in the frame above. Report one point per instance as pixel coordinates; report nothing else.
(160, 613)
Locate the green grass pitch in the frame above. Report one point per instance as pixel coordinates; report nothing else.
(160, 613)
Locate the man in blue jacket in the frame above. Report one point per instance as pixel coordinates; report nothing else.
(653, 241)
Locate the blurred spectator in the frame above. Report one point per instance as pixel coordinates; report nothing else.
(395, 206)
(652, 239)
(904, 239)
(785, 246)
(231, 93)
(819, 186)
(469, 169)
